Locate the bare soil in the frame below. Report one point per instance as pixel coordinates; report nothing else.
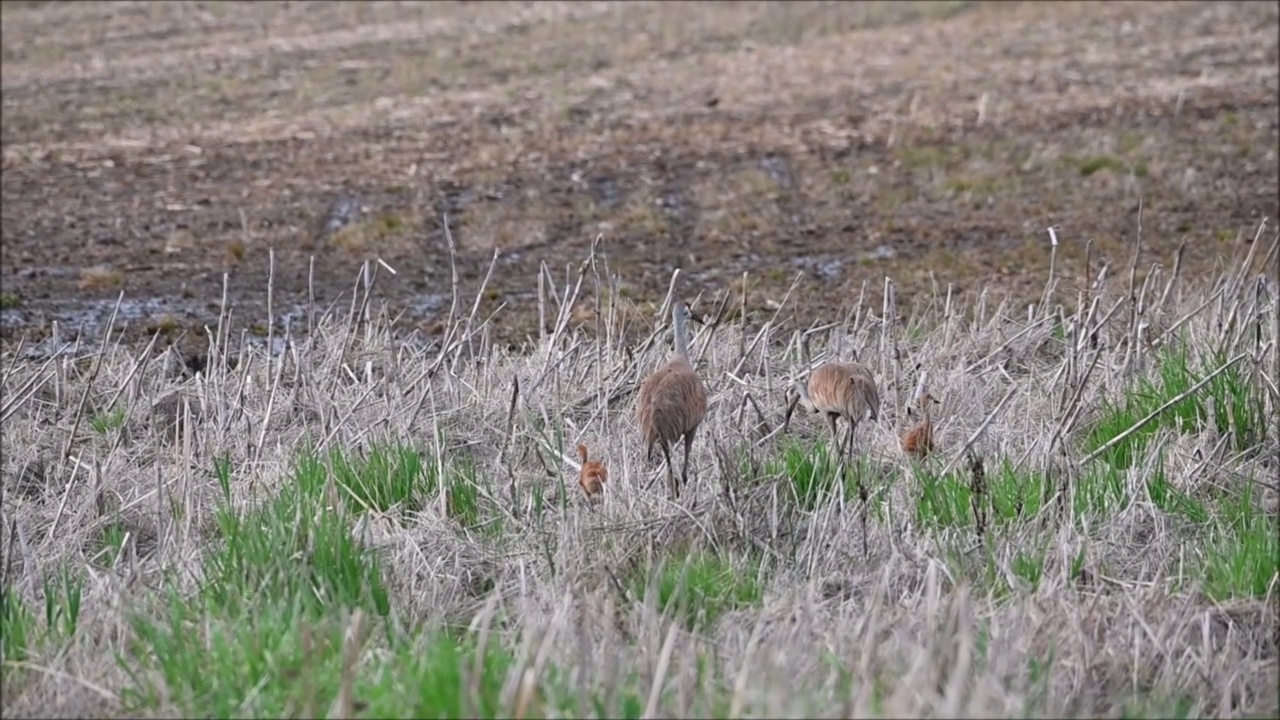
(155, 148)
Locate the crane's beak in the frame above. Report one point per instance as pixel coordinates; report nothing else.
(791, 408)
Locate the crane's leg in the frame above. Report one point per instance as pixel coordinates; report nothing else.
(665, 453)
(684, 471)
(837, 453)
(671, 478)
(862, 489)
(835, 436)
(848, 443)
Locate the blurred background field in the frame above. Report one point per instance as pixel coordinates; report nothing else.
(153, 147)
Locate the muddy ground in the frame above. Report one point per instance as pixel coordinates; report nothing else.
(154, 147)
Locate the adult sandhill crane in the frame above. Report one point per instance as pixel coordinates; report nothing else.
(672, 401)
(593, 474)
(838, 390)
(918, 440)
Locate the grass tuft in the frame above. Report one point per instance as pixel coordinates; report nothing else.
(698, 586)
(383, 479)
(295, 547)
(812, 471)
(1226, 403)
(103, 423)
(1242, 556)
(18, 632)
(947, 501)
(204, 661)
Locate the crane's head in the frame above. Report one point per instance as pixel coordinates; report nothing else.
(680, 315)
(923, 397)
(797, 394)
(922, 405)
(922, 400)
(681, 311)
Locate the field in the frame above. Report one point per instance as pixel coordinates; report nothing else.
(384, 266)
(361, 528)
(158, 148)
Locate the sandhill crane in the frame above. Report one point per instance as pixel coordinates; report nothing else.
(593, 474)
(918, 440)
(840, 390)
(672, 401)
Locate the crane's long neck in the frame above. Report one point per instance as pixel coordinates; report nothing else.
(682, 340)
(802, 396)
(924, 410)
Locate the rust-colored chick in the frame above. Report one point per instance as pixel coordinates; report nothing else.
(593, 475)
(672, 401)
(917, 441)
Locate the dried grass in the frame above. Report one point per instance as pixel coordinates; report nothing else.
(931, 623)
